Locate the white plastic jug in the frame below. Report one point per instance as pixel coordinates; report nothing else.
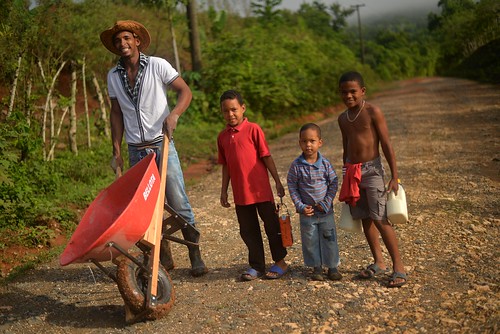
(347, 223)
(397, 211)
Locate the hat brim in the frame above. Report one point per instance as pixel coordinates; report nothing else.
(128, 25)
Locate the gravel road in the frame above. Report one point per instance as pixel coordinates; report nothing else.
(446, 136)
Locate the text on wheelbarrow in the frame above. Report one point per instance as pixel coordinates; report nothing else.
(149, 186)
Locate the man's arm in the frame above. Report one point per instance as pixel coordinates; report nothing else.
(117, 129)
(385, 143)
(184, 96)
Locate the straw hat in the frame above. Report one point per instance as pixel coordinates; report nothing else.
(127, 25)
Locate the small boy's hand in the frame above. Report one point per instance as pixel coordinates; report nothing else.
(319, 208)
(223, 201)
(308, 211)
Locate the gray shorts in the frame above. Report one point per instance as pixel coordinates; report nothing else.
(373, 197)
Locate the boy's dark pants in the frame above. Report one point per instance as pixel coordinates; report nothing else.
(250, 233)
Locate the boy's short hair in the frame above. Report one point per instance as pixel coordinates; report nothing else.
(312, 126)
(231, 95)
(352, 76)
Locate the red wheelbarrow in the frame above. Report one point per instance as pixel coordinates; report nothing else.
(130, 212)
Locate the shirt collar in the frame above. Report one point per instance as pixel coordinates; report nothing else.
(143, 62)
(238, 127)
(317, 164)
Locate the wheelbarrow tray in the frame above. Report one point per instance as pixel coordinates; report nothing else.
(120, 214)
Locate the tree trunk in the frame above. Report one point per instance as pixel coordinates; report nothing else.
(48, 103)
(72, 112)
(87, 119)
(27, 101)
(174, 45)
(170, 20)
(102, 103)
(14, 87)
(194, 38)
(50, 155)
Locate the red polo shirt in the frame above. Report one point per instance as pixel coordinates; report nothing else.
(242, 148)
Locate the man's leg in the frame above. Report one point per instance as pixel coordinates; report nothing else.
(176, 197)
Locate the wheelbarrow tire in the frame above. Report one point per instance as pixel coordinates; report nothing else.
(132, 282)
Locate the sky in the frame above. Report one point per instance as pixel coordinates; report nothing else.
(372, 7)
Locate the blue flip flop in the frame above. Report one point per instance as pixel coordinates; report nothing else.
(275, 272)
(250, 275)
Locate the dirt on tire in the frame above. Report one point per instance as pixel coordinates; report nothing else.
(445, 133)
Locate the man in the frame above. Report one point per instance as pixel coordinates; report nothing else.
(137, 87)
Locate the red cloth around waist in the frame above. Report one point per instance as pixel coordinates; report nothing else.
(349, 192)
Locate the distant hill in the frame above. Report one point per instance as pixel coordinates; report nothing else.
(416, 15)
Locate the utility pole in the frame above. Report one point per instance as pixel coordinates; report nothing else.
(361, 45)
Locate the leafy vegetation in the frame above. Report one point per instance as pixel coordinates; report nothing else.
(464, 27)
(284, 63)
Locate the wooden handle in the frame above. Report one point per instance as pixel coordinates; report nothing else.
(154, 232)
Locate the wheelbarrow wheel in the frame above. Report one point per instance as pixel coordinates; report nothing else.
(132, 282)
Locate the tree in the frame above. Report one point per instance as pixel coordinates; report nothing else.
(167, 6)
(324, 20)
(194, 38)
(266, 10)
(339, 16)
(462, 27)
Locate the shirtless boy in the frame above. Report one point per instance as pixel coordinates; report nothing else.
(364, 130)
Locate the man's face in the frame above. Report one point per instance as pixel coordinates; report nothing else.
(126, 43)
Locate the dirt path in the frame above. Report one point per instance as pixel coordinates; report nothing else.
(446, 134)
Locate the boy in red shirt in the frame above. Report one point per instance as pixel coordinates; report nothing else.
(246, 160)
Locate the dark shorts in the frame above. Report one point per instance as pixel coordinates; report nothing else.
(373, 197)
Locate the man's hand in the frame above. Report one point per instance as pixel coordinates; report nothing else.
(117, 165)
(170, 124)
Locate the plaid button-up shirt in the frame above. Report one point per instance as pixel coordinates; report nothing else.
(133, 92)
